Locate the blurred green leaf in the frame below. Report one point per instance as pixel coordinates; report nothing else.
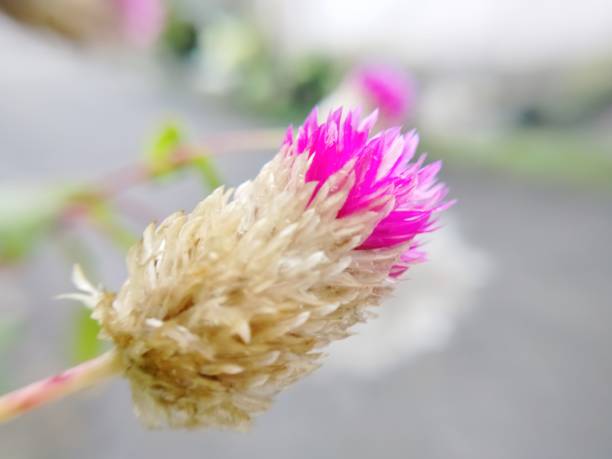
(180, 36)
(162, 157)
(163, 146)
(105, 216)
(26, 214)
(86, 343)
(207, 170)
(545, 153)
(18, 238)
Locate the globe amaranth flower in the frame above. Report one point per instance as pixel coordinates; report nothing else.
(227, 305)
(368, 87)
(389, 89)
(141, 21)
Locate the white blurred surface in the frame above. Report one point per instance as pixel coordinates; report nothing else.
(445, 33)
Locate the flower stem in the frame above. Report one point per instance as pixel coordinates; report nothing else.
(55, 387)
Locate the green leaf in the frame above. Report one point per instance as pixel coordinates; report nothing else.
(207, 170)
(163, 146)
(86, 343)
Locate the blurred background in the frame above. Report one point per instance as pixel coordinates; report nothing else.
(116, 113)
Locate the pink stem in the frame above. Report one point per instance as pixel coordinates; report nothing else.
(55, 387)
(224, 143)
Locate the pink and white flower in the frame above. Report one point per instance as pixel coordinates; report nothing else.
(141, 21)
(387, 88)
(227, 305)
(405, 193)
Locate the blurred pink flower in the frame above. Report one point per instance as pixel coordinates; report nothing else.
(141, 20)
(405, 194)
(391, 90)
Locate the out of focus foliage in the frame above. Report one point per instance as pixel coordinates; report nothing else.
(229, 56)
(26, 215)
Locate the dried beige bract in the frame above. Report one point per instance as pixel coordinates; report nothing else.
(227, 305)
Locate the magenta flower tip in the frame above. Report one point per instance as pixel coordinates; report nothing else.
(382, 166)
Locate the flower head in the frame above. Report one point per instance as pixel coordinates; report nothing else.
(141, 20)
(390, 90)
(227, 305)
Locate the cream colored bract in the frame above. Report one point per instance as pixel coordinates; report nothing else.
(227, 305)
